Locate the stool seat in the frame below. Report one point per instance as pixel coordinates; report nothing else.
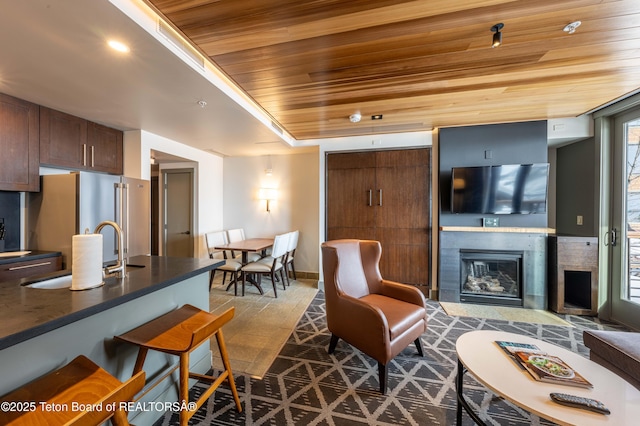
(179, 332)
(69, 393)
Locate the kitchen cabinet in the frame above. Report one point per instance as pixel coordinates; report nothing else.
(72, 142)
(384, 196)
(25, 266)
(19, 159)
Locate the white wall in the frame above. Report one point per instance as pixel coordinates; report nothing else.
(208, 171)
(296, 179)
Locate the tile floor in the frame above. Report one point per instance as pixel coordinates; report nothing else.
(262, 323)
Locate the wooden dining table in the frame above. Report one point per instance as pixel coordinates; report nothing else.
(245, 247)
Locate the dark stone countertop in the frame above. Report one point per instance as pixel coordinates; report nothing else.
(29, 312)
(34, 255)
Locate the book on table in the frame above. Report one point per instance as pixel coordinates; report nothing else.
(551, 369)
(542, 366)
(510, 348)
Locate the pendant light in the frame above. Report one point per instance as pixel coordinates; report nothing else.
(497, 37)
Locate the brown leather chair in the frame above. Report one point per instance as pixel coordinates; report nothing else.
(377, 316)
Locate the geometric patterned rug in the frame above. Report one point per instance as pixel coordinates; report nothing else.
(307, 386)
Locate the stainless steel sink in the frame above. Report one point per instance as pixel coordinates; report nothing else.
(52, 283)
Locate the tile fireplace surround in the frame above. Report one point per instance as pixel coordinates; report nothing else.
(530, 242)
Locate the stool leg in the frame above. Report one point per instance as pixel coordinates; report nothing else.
(142, 355)
(120, 418)
(227, 367)
(183, 394)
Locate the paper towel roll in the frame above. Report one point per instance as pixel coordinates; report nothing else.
(86, 271)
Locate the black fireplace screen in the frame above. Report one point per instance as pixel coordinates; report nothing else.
(491, 274)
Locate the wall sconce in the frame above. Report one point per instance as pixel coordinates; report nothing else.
(268, 194)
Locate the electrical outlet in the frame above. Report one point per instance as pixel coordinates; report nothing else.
(490, 222)
(579, 220)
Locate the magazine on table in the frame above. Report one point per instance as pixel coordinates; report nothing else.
(551, 369)
(510, 348)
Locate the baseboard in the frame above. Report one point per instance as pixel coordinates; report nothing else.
(306, 275)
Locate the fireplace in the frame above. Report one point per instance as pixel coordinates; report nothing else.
(493, 277)
(529, 249)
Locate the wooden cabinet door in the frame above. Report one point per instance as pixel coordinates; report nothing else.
(350, 191)
(104, 149)
(20, 156)
(403, 214)
(63, 139)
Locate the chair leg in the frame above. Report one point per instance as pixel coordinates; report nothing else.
(224, 276)
(382, 377)
(333, 343)
(293, 269)
(243, 278)
(418, 343)
(273, 281)
(282, 276)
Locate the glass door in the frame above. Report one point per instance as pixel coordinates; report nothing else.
(624, 237)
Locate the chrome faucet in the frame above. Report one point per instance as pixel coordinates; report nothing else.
(119, 268)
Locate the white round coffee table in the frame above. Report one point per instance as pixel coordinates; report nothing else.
(480, 355)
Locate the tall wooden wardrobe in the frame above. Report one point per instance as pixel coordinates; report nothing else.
(386, 196)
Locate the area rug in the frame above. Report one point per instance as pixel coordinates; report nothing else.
(307, 386)
(261, 324)
(503, 313)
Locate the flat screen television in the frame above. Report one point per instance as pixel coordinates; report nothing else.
(505, 189)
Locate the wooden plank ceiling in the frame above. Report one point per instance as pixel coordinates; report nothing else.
(422, 64)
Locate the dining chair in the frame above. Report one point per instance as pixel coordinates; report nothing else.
(291, 252)
(235, 235)
(215, 239)
(278, 252)
(268, 259)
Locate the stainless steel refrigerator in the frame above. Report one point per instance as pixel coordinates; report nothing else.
(69, 204)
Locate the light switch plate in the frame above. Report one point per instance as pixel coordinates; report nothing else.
(490, 222)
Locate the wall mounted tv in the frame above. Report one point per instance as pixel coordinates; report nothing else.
(505, 189)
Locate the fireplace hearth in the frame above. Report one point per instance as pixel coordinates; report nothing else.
(491, 277)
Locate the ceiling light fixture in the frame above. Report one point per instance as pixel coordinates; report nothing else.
(571, 28)
(202, 103)
(116, 45)
(497, 37)
(355, 118)
(376, 117)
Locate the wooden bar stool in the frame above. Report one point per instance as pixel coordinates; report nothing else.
(178, 333)
(66, 396)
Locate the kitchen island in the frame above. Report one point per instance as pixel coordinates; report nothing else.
(43, 329)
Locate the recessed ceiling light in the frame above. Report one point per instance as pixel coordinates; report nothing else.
(116, 45)
(376, 117)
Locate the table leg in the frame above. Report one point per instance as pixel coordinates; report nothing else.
(245, 260)
(462, 403)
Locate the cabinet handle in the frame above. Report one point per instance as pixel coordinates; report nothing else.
(84, 154)
(92, 156)
(380, 197)
(370, 198)
(15, 268)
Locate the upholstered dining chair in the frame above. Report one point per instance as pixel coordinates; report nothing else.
(231, 266)
(291, 252)
(235, 235)
(377, 316)
(278, 252)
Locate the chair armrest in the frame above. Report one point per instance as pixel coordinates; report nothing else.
(406, 293)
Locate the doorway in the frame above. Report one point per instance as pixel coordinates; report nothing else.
(624, 234)
(177, 212)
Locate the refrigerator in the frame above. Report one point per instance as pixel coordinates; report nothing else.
(73, 203)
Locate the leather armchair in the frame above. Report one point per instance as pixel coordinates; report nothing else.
(377, 316)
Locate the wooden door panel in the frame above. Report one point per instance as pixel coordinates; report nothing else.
(405, 255)
(63, 139)
(350, 198)
(402, 197)
(105, 148)
(339, 233)
(20, 157)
